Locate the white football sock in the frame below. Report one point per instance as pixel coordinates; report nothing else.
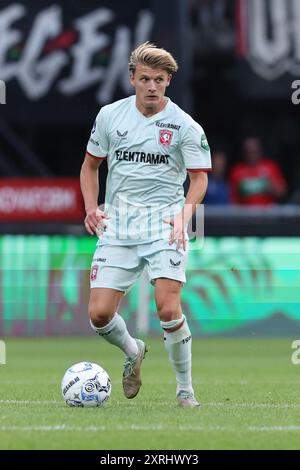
(115, 332)
(178, 344)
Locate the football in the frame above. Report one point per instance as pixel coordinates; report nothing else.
(86, 384)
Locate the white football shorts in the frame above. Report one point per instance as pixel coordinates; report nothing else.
(118, 267)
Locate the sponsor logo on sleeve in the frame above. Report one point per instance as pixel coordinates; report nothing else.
(204, 143)
(95, 142)
(94, 127)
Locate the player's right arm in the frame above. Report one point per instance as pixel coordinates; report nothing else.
(89, 182)
(97, 150)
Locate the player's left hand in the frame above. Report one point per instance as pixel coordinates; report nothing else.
(177, 235)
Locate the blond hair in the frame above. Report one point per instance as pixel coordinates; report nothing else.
(150, 55)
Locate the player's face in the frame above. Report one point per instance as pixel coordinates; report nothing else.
(150, 86)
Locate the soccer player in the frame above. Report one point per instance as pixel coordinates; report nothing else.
(149, 144)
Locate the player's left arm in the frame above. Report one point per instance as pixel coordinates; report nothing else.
(194, 197)
(195, 194)
(197, 161)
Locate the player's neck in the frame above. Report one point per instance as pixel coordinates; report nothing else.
(152, 109)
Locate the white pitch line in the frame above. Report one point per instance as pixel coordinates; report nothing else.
(274, 428)
(131, 427)
(168, 403)
(138, 427)
(252, 405)
(30, 402)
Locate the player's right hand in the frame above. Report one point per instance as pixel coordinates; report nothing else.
(95, 222)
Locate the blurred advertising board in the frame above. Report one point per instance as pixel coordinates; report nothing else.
(62, 61)
(243, 286)
(40, 199)
(268, 47)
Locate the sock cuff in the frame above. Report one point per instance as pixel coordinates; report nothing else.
(178, 333)
(173, 325)
(107, 328)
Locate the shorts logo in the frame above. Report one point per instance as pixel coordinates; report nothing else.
(94, 272)
(165, 137)
(175, 264)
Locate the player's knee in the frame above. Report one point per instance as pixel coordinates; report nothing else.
(100, 315)
(167, 312)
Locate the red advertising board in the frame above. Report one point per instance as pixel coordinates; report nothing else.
(46, 199)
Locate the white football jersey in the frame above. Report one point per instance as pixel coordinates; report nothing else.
(147, 160)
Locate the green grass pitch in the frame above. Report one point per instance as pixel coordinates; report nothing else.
(249, 390)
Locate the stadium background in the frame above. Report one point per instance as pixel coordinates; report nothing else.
(60, 63)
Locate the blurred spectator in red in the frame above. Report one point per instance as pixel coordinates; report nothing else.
(257, 180)
(218, 187)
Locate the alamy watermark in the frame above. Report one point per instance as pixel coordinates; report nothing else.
(295, 359)
(296, 94)
(2, 352)
(152, 222)
(2, 92)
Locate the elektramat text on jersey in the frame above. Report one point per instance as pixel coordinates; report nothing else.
(142, 157)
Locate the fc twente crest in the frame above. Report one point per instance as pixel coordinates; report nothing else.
(165, 137)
